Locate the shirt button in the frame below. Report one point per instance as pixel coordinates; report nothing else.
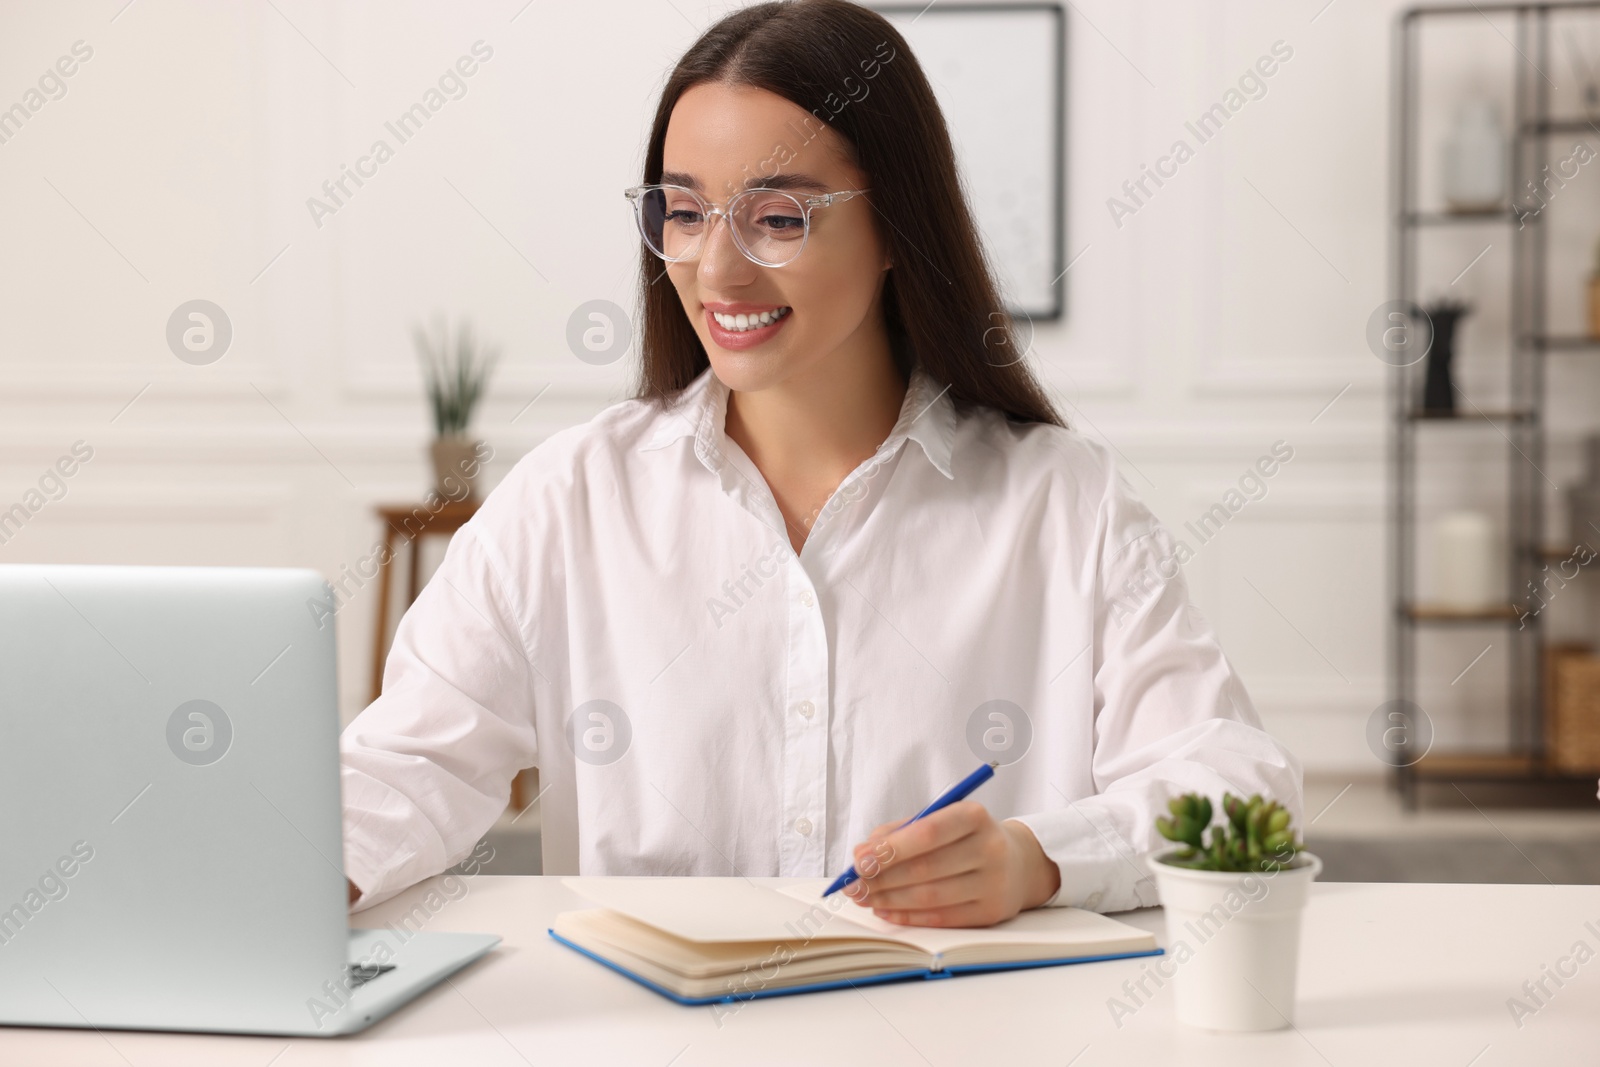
(804, 826)
(806, 708)
(807, 599)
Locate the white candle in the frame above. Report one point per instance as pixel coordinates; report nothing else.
(1466, 568)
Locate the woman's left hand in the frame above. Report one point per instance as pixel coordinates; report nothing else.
(957, 867)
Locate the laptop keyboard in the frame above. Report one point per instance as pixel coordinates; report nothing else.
(361, 974)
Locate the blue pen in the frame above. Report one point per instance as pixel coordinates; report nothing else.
(959, 791)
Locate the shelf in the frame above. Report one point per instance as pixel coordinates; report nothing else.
(1553, 127)
(1469, 415)
(1459, 218)
(1440, 613)
(1475, 11)
(1558, 552)
(1563, 342)
(1476, 765)
(1492, 767)
(1538, 135)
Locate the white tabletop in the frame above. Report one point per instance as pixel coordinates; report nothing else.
(1412, 974)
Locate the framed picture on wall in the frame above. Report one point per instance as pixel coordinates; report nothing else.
(999, 72)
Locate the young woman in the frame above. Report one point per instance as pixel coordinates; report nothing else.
(837, 552)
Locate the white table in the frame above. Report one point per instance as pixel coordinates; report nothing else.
(1389, 974)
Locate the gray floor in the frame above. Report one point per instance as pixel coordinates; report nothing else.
(516, 851)
(1362, 834)
(1344, 859)
(1358, 830)
(1459, 859)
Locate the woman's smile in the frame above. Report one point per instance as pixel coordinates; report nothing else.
(742, 326)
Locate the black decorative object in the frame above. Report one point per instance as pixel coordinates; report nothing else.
(1438, 388)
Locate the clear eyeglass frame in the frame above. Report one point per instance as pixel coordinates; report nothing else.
(709, 212)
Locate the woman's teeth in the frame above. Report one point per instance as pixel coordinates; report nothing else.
(739, 323)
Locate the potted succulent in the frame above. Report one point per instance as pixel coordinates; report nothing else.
(1233, 906)
(455, 374)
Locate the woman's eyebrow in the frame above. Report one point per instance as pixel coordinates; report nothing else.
(787, 181)
(803, 182)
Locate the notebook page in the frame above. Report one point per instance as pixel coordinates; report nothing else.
(727, 909)
(1074, 929)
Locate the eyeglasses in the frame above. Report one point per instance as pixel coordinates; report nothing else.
(769, 226)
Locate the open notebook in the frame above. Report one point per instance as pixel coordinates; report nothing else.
(704, 940)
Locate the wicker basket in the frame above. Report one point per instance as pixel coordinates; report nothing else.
(1572, 727)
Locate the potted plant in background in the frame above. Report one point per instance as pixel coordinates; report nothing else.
(456, 374)
(1233, 908)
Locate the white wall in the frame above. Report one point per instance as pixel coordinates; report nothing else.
(1224, 315)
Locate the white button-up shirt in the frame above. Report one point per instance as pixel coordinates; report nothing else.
(626, 613)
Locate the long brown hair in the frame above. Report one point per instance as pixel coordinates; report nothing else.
(851, 69)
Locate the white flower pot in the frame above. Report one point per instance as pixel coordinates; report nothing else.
(1235, 941)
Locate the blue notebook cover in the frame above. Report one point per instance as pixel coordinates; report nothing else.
(877, 979)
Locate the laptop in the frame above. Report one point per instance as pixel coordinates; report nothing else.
(169, 778)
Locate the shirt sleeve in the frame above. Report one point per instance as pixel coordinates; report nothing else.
(1170, 717)
(426, 769)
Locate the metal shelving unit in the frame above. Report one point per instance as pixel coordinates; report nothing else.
(1523, 758)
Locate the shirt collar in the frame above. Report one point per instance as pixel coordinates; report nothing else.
(927, 416)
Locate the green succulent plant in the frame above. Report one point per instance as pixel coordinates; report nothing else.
(455, 372)
(1254, 836)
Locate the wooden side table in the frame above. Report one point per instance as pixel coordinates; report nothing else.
(410, 523)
